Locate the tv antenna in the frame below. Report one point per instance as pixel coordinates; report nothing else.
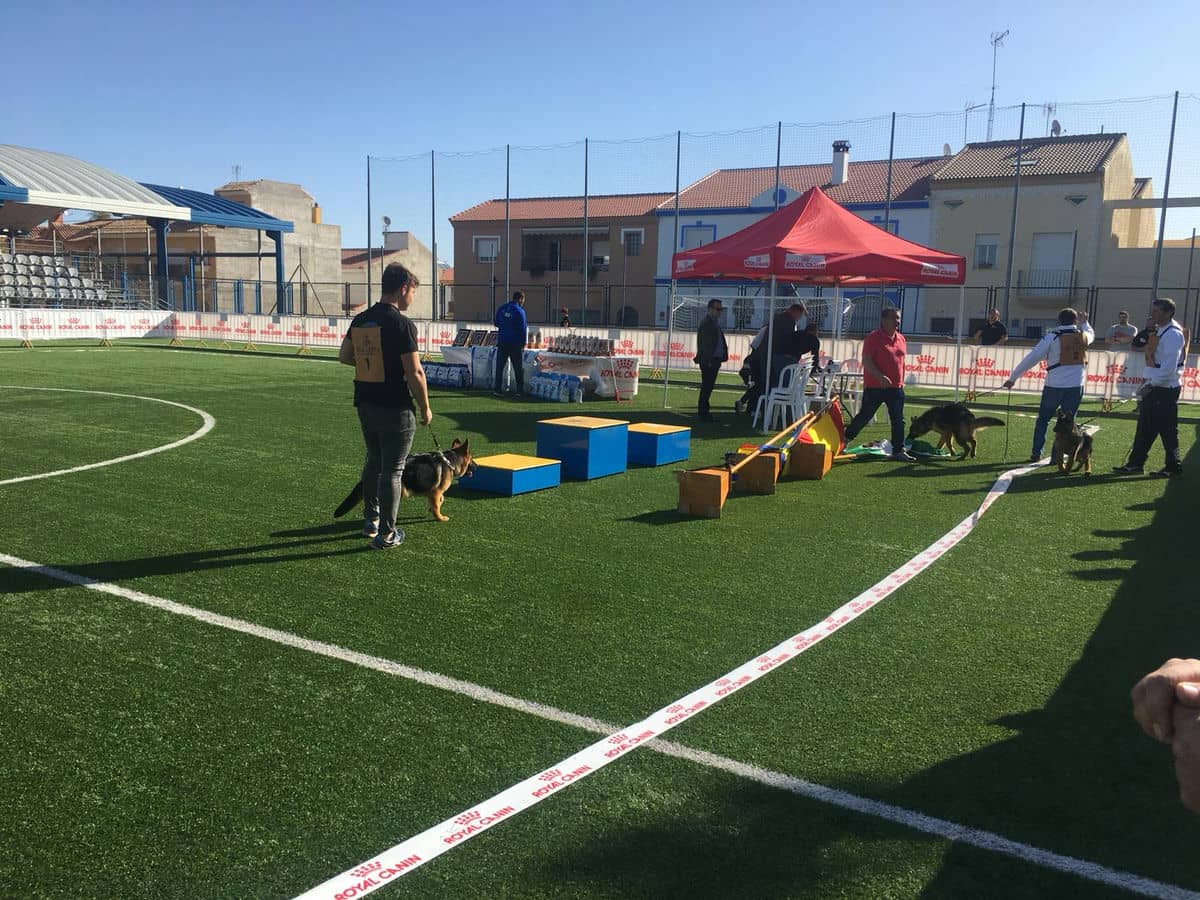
(997, 41)
(969, 108)
(1049, 109)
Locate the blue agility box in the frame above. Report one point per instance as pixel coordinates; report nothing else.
(511, 473)
(656, 445)
(588, 447)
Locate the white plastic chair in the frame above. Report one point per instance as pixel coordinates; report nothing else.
(788, 405)
(786, 374)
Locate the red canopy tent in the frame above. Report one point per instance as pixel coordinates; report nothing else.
(814, 239)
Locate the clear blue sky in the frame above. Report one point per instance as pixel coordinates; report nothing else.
(303, 91)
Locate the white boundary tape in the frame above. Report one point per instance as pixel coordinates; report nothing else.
(208, 424)
(414, 852)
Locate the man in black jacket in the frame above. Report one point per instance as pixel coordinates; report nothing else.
(711, 352)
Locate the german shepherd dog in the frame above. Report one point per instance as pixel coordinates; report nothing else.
(1072, 446)
(950, 421)
(427, 474)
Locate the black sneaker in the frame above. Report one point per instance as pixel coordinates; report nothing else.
(1127, 470)
(1168, 472)
(1035, 457)
(903, 456)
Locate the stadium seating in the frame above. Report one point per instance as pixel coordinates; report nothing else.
(35, 279)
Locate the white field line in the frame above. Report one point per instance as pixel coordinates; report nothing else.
(915, 820)
(208, 423)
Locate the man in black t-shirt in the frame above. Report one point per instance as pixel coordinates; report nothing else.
(993, 332)
(382, 346)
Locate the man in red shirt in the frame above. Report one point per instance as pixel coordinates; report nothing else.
(883, 381)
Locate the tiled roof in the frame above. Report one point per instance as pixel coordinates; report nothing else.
(357, 256)
(67, 231)
(866, 183)
(612, 206)
(1077, 154)
(238, 185)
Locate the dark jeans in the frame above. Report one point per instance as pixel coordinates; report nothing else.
(708, 379)
(1158, 417)
(1053, 399)
(504, 353)
(388, 435)
(872, 399)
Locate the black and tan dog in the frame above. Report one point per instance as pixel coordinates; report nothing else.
(1072, 446)
(950, 421)
(425, 474)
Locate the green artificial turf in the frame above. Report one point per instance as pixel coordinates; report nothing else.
(149, 754)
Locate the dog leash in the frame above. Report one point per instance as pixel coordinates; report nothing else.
(433, 434)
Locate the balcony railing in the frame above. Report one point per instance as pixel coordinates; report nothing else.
(539, 265)
(1057, 284)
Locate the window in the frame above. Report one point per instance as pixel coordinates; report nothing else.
(986, 246)
(600, 255)
(487, 248)
(693, 236)
(632, 239)
(941, 325)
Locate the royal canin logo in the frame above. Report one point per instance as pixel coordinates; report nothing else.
(73, 320)
(626, 343)
(684, 265)
(804, 261)
(729, 685)
(474, 821)
(444, 335)
(622, 742)
(757, 261)
(557, 778)
(678, 712)
(940, 270)
(768, 662)
(985, 362)
(924, 359)
(372, 874)
(34, 320)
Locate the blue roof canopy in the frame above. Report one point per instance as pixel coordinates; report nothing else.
(209, 209)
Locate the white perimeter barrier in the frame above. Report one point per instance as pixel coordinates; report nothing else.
(1113, 375)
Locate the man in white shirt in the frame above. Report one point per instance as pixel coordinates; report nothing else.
(1159, 412)
(1065, 351)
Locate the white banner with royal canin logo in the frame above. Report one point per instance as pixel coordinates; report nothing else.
(1111, 375)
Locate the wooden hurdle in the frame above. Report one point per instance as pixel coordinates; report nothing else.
(703, 492)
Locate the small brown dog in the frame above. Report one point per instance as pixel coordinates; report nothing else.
(427, 474)
(1072, 446)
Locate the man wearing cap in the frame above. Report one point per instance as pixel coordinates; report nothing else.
(711, 352)
(1064, 350)
(1158, 415)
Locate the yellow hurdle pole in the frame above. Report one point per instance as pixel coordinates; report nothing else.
(804, 420)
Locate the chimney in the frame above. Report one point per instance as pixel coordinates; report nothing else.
(841, 162)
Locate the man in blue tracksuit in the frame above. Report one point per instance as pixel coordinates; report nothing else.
(510, 320)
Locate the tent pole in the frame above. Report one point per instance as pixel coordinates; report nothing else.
(671, 295)
(962, 300)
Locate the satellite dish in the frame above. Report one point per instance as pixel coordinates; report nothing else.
(946, 150)
(387, 221)
(1055, 128)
